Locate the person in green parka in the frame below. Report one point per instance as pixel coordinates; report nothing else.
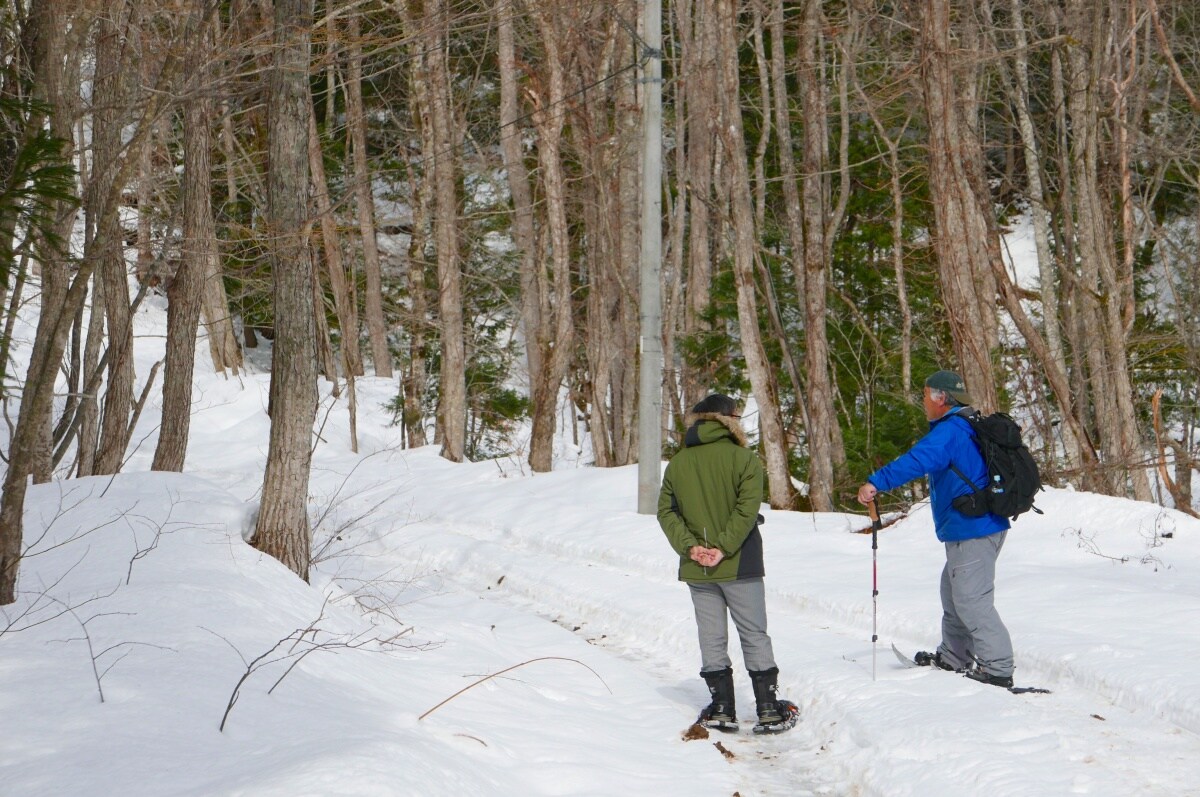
(708, 509)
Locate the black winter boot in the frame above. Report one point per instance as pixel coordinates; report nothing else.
(985, 677)
(774, 715)
(720, 713)
(926, 659)
(766, 684)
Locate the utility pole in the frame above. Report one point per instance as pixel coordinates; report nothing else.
(651, 374)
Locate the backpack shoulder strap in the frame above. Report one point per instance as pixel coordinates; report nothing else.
(963, 476)
(972, 420)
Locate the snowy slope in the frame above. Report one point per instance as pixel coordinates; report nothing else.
(434, 575)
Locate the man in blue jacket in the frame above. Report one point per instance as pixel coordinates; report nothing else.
(972, 632)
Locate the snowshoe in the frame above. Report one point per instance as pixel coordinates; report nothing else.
(784, 717)
(725, 722)
(774, 715)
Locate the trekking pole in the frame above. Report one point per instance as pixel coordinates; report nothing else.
(876, 525)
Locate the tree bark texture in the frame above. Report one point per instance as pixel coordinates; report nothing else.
(782, 494)
(186, 287)
(107, 241)
(698, 56)
(814, 102)
(517, 178)
(446, 136)
(283, 528)
(1047, 265)
(609, 193)
(961, 236)
(356, 123)
(1102, 296)
(340, 284)
(555, 332)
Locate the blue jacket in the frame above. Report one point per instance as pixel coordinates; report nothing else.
(950, 439)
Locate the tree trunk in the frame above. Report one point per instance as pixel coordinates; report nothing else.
(185, 289)
(107, 239)
(698, 46)
(452, 396)
(331, 245)
(214, 311)
(1095, 478)
(89, 407)
(555, 332)
(62, 293)
(673, 280)
(223, 345)
(605, 132)
(416, 379)
(624, 218)
(814, 103)
(356, 125)
(524, 237)
(419, 323)
(1101, 298)
(1047, 267)
(961, 240)
(773, 443)
(283, 528)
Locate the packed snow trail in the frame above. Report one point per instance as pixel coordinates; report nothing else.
(611, 579)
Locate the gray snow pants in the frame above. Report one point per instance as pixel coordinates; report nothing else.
(971, 626)
(746, 601)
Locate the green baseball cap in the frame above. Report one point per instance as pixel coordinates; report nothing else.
(951, 384)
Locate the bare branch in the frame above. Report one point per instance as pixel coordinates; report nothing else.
(487, 678)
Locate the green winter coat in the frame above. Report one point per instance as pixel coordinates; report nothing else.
(711, 494)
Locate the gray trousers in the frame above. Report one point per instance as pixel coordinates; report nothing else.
(746, 601)
(971, 626)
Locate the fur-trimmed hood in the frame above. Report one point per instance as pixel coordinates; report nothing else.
(730, 423)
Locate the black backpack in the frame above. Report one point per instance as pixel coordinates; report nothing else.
(1013, 478)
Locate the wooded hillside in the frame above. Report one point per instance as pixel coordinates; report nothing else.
(447, 193)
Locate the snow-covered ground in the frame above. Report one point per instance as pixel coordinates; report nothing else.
(144, 621)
